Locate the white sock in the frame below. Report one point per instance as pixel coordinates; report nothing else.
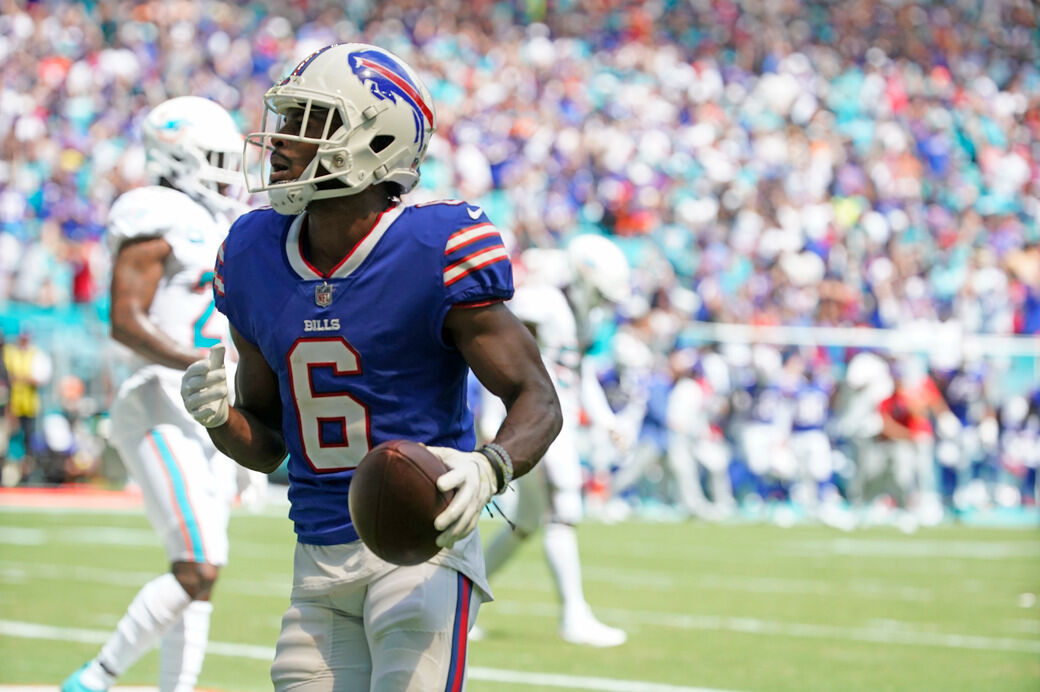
(501, 548)
(183, 649)
(95, 677)
(156, 607)
(561, 550)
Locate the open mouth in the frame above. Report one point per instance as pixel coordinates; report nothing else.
(280, 169)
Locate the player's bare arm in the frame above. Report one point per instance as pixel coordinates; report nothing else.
(136, 274)
(252, 433)
(504, 357)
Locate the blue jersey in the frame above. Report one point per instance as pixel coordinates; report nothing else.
(654, 427)
(811, 407)
(767, 403)
(964, 395)
(359, 352)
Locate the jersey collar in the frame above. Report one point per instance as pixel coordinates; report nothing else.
(354, 258)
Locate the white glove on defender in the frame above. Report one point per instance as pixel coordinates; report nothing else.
(204, 389)
(473, 480)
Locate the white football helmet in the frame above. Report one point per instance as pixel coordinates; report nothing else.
(194, 144)
(387, 122)
(597, 263)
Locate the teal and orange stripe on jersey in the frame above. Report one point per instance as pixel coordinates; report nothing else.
(472, 248)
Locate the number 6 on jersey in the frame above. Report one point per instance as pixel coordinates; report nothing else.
(334, 425)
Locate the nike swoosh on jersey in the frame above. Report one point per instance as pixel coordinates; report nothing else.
(474, 213)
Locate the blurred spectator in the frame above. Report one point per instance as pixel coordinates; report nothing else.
(802, 163)
(28, 368)
(5, 400)
(845, 163)
(909, 417)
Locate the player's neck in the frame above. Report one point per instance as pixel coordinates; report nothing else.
(335, 226)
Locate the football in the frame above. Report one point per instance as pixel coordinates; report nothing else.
(394, 499)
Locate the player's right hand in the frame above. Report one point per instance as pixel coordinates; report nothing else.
(471, 477)
(204, 389)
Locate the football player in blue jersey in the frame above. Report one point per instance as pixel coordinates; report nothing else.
(959, 448)
(811, 392)
(765, 434)
(358, 320)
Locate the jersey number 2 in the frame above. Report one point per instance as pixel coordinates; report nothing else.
(205, 337)
(334, 425)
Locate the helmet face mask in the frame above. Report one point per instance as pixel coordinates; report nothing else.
(385, 121)
(194, 145)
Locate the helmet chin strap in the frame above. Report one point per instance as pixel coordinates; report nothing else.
(292, 197)
(289, 199)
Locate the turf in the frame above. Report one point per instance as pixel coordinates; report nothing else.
(735, 607)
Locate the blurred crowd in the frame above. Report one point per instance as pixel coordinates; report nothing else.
(788, 434)
(789, 162)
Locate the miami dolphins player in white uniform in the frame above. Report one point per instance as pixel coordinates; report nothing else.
(553, 494)
(163, 239)
(357, 320)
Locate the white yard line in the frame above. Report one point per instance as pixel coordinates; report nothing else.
(22, 572)
(576, 682)
(901, 633)
(28, 630)
(917, 548)
(892, 632)
(645, 579)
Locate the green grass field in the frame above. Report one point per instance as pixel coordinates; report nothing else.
(738, 607)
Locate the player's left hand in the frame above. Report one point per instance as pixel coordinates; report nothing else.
(204, 389)
(473, 480)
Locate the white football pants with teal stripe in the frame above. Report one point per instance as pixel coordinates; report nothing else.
(187, 485)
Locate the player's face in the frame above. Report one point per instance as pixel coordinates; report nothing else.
(290, 157)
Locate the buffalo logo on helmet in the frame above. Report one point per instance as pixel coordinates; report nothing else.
(389, 81)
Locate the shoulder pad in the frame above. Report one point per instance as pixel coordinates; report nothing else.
(152, 212)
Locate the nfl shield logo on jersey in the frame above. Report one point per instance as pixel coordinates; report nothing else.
(323, 295)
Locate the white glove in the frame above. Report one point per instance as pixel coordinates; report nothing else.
(473, 480)
(204, 389)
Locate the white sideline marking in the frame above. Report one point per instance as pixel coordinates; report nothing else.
(32, 630)
(28, 630)
(577, 682)
(881, 635)
(50, 688)
(12, 571)
(110, 535)
(889, 632)
(14, 535)
(23, 572)
(917, 548)
(645, 579)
